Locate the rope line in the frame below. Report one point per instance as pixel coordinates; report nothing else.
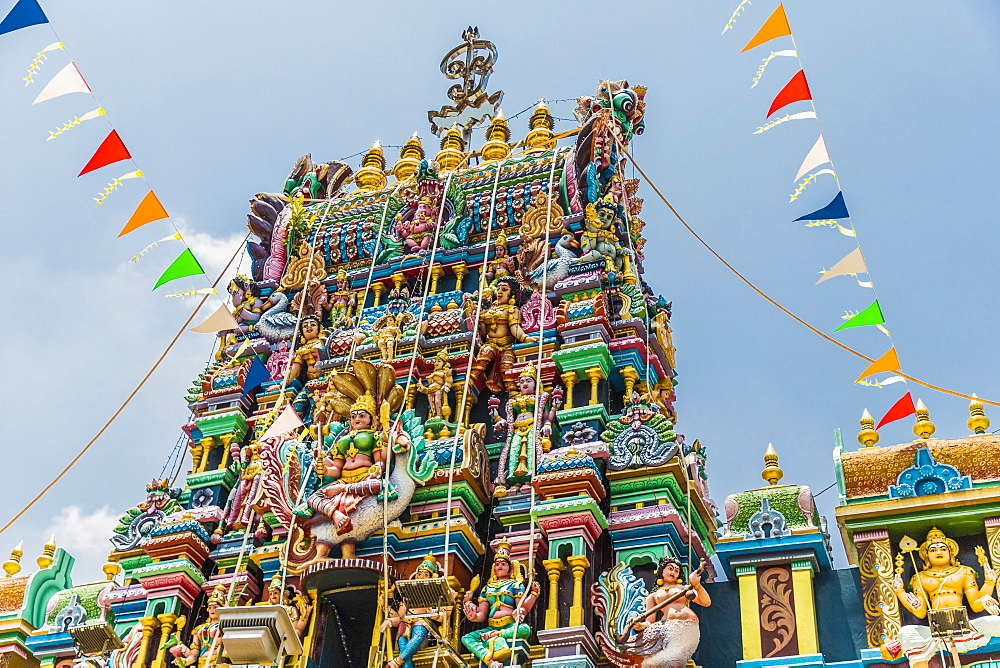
(777, 305)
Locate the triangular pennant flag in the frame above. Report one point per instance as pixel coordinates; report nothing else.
(888, 362)
(818, 155)
(149, 209)
(69, 80)
(776, 26)
(835, 210)
(899, 410)
(284, 423)
(185, 265)
(256, 376)
(220, 321)
(796, 90)
(25, 13)
(854, 263)
(110, 151)
(870, 316)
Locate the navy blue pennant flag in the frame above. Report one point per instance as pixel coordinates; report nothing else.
(25, 13)
(257, 375)
(832, 211)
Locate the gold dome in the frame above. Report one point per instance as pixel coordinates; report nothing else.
(497, 136)
(540, 135)
(978, 422)
(867, 436)
(371, 176)
(45, 559)
(452, 152)
(924, 428)
(409, 158)
(771, 473)
(13, 565)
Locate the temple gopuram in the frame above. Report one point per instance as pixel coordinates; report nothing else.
(443, 434)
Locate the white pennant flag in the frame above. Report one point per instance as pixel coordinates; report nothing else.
(69, 80)
(284, 423)
(853, 263)
(817, 156)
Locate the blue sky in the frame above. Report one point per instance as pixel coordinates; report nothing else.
(217, 100)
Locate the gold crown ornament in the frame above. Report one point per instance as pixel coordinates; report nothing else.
(218, 596)
(429, 564)
(935, 537)
(366, 403)
(529, 371)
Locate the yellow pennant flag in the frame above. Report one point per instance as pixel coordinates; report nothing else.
(774, 27)
(220, 321)
(888, 362)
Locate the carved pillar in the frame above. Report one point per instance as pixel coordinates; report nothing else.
(148, 625)
(362, 298)
(595, 375)
(411, 395)
(166, 626)
(207, 443)
(225, 450)
(569, 379)
(197, 452)
(553, 567)
(470, 403)
(629, 375)
(992, 525)
(579, 565)
(882, 615)
(460, 271)
(749, 619)
(805, 606)
(378, 289)
(436, 272)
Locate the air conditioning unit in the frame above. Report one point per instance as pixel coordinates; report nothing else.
(95, 637)
(258, 634)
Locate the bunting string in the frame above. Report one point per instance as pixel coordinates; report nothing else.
(89, 116)
(784, 119)
(809, 179)
(169, 237)
(732, 19)
(774, 54)
(36, 63)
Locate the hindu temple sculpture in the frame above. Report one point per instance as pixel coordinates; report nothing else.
(503, 602)
(303, 362)
(437, 384)
(413, 625)
(204, 648)
(500, 326)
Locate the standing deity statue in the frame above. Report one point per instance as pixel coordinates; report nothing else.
(503, 603)
(413, 630)
(307, 355)
(204, 647)
(527, 423)
(437, 385)
(937, 590)
(500, 325)
(388, 330)
(342, 301)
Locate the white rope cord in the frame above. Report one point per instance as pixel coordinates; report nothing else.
(468, 368)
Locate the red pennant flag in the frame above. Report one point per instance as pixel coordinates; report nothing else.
(110, 151)
(795, 90)
(899, 410)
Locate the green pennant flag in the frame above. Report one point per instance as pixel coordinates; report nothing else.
(870, 316)
(185, 265)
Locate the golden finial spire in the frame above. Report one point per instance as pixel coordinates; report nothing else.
(540, 125)
(452, 151)
(371, 176)
(48, 550)
(771, 473)
(409, 158)
(867, 436)
(978, 422)
(111, 569)
(497, 135)
(924, 428)
(13, 565)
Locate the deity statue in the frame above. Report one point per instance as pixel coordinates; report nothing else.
(204, 647)
(342, 300)
(296, 604)
(437, 385)
(503, 263)
(527, 415)
(239, 510)
(412, 631)
(247, 302)
(600, 235)
(307, 354)
(503, 602)
(418, 220)
(388, 330)
(939, 588)
(500, 325)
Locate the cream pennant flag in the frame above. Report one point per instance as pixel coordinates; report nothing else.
(220, 321)
(774, 54)
(169, 237)
(36, 63)
(818, 155)
(203, 291)
(69, 80)
(243, 346)
(116, 184)
(853, 263)
(89, 116)
(784, 119)
(284, 423)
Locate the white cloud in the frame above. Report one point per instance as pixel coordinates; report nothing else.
(85, 535)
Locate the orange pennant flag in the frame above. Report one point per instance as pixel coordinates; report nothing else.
(149, 209)
(776, 26)
(888, 362)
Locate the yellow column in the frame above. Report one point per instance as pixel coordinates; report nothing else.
(749, 617)
(579, 564)
(378, 288)
(226, 440)
(166, 625)
(805, 606)
(207, 443)
(460, 271)
(307, 640)
(629, 375)
(436, 272)
(595, 375)
(411, 396)
(197, 452)
(569, 379)
(148, 624)
(553, 567)
(875, 566)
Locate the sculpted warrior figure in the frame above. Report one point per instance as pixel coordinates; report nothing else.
(500, 325)
(437, 385)
(503, 603)
(527, 415)
(307, 355)
(940, 588)
(388, 330)
(414, 630)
